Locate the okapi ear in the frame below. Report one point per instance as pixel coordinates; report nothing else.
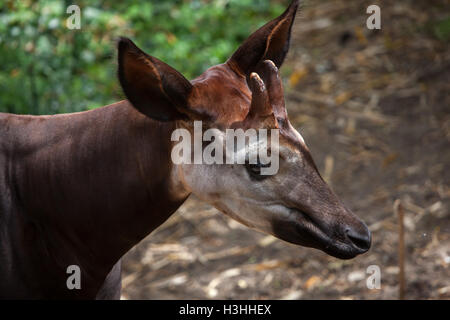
(270, 42)
(153, 87)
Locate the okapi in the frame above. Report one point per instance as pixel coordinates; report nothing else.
(84, 188)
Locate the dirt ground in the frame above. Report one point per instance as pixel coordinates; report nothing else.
(374, 108)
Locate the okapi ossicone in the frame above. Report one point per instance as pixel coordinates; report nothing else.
(84, 188)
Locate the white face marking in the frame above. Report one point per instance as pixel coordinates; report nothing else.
(229, 188)
(232, 191)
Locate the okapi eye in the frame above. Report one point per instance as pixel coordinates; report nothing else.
(254, 170)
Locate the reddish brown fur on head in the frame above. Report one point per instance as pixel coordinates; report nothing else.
(246, 92)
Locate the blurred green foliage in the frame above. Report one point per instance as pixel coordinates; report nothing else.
(441, 29)
(46, 68)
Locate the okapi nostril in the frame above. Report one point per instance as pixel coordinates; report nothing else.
(360, 240)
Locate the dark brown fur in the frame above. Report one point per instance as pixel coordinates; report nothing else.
(78, 189)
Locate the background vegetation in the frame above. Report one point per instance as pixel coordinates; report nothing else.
(47, 68)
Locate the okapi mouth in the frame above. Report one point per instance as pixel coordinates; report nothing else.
(302, 229)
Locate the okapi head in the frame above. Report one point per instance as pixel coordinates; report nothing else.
(295, 204)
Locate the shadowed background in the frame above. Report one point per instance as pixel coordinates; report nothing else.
(373, 106)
